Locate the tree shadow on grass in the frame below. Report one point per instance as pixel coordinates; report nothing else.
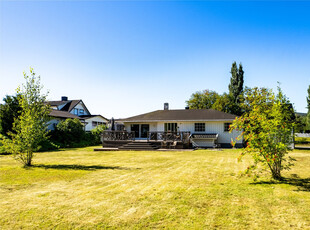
(302, 184)
(81, 167)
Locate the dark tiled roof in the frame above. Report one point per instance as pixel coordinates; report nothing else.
(90, 116)
(70, 105)
(63, 114)
(57, 103)
(181, 115)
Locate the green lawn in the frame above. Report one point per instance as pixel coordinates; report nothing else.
(302, 141)
(80, 188)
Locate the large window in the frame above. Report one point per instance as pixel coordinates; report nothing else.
(96, 123)
(76, 112)
(226, 127)
(200, 127)
(82, 111)
(171, 127)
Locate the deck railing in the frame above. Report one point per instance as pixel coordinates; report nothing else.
(168, 136)
(111, 135)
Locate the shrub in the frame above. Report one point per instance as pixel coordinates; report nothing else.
(70, 133)
(67, 132)
(96, 133)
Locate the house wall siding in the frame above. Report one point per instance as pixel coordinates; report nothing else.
(52, 123)
(153, 126)
(80, 106)
(89, 121)
(211, 127)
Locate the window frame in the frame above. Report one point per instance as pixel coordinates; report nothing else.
(171, 127)
(200, 127)
(227, 126)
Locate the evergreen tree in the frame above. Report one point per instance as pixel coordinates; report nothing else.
(236, 82)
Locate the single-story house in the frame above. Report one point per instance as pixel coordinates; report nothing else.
(65, 109)
(205, 127)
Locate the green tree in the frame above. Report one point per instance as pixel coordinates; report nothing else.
(236, 82)
(202, 99)
(267, 129)
(68, 132)
(308, 107)
(30, 128)
(9, 111)
(300, 124)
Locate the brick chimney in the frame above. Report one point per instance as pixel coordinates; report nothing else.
(63, 98)
(166, 106)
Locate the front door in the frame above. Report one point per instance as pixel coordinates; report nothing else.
(135, 128)
(144, 129)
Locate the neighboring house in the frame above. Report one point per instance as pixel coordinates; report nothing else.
(92, 121)
(208, 127)
(65, 109)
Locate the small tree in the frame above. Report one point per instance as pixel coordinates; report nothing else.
(30, 128)
(308, 107)
(267, 130)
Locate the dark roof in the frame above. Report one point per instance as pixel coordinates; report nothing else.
(69, 105)
(301, 114)
(63, 114)
(56, 103)
(89, 116)
(181, 115)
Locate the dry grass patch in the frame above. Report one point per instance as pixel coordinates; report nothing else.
(80, 188)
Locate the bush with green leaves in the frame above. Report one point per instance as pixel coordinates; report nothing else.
(67, 132)
(70, 133)
(267, 128)
(97, 132)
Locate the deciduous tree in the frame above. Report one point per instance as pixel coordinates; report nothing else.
(267, 130)
(31, 125)
(202, 99)
(308, 107)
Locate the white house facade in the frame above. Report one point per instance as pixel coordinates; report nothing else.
(74, 109)
(207, 127)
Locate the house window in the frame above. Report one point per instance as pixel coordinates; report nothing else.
(76, 112)
(96, 123)
(170, 127)
(200, 127)
(226, 127)
(82, 111)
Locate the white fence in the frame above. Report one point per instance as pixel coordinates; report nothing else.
(302, 134)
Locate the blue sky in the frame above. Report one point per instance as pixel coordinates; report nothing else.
(124, 58)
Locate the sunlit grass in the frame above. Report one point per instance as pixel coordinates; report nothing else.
(80, 188)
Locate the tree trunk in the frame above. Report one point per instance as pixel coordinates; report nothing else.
(29, 159)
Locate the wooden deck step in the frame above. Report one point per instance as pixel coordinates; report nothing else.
(139, 146)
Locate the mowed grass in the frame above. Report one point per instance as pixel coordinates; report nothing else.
(80, 188)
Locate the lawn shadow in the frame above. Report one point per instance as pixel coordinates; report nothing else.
(302, 184)
(81, 167)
